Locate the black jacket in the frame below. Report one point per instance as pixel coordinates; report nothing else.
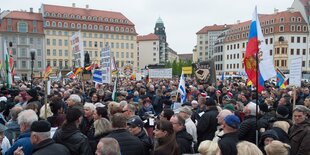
(228, 143)
(184, 141)
(247, 129)
(130, 145)
(73, 139)
(49, 147)
(207, 125)
(146, 140)
(283, 136)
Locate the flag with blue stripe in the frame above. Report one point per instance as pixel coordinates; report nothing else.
(97, 76)
(181, 88)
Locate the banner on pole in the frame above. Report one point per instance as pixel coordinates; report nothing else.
(160, 73)
(105, 64)
(295, 71)
(78, 49)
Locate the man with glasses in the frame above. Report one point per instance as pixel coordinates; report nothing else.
(135, 127)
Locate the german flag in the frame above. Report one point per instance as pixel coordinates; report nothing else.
(90, 67)
(78, 70)
(48, 71)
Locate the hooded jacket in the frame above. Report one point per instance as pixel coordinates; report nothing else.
(184, 141)
(267, 134)
(73, 139)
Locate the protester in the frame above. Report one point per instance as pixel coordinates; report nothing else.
(13, 129)
(70, 135)
(208, 147)
(248, 127)
(277, 148)
(43, 144)
(25, 120)
(102, 127)
(300, 132)
(129, 144)
(184, 139)
(165, 139)
(266, 138)
(229, 140)
(108, 146)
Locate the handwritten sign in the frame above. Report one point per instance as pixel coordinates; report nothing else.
(161, 73)
(77, 49)
(295, 71)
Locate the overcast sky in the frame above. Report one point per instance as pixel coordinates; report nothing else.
(182, 18)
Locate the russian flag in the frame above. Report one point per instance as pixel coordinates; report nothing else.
(256, 47)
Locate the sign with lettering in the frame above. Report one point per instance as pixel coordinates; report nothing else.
(160, 73)
(77, 49)
(295, 71)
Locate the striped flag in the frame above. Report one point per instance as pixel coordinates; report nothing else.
(70, 75)
(48, 71)
(89, 68)
(280, 78)
(78, 70)
(181, 88)
(114, 94)
(8, 69)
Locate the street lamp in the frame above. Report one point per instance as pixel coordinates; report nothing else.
(32, 54)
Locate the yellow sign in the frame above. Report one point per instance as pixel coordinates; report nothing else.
(187, 70)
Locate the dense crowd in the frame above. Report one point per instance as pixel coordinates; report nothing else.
(148, 118)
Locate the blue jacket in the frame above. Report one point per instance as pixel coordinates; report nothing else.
(24, 141)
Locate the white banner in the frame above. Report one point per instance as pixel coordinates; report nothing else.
(138, 76)
(77, 49)
(295, 71)
(105, 64)
(160, 73)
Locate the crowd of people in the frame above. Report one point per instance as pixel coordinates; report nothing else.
(147, 118)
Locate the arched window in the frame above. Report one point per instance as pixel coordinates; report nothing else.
(131, 30)
(47, 23)
(126, 21)
(59, 24)
(84, 26)
(65, 15)
(100, 27)
(111, 20)
(95, 18)
(54, 24)
(78, 17)
(78, 26)
(121, 21)
(22, 27)
(83, 17)
(112, 28)
(106, 19)
(101, 19)
(116, 29)
(72, 25)
(107, 28)
(90, 27)
(65, 25)
(59, 15)
(72, 16)
(116, 20)
(54, 14)
(281, 38)
(127, 29)
(95, 27)
(47, 14)
(89, 18)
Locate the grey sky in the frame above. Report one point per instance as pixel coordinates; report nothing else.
(182, 18)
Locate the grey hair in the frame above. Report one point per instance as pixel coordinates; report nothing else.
(102, 126)
(75, 98)
(302, 108)
(27, 117)
(43, 135)
(90, 106)
(111, 146)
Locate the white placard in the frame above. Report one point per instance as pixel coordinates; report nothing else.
(138, 76)
(105, 64)
(295, 71)
(49, 87)
(161, 73)
(106, 75)
(77, 49)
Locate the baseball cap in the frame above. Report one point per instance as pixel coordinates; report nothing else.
(232, 121)
(135, 122)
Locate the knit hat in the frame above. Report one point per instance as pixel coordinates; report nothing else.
(269, 133)
(232, 121)
(186, 110)
(73, 114)
(135, 121)
(40, 126)
(229, 107)
(282, 112)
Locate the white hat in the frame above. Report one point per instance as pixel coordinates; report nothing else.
(3, 99)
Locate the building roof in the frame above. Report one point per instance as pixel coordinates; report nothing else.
(159, 20)
(148, 37)
(85, 12)
(214, 27)
(24, 15)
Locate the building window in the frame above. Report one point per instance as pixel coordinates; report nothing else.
(22, 27)
(90, 43)
(90, 27)
(66, 42)
(48, 52)
(303, 63)
(100, 27)
(292, 39)
(281, 28)
(95, 27)
(47, 24)
(54, 63)
(54, 52)
(60, 52)
(298, 28)
(271, 40)
(270, 52)
(72, 25)
(292, 28)
(298, 39)
(24, 64)
(59, 42)
(59, 24)
(54, 42)
(303, 51)
(292, 51)
(304, 28)
(298, 52)
(281, 19)
(39, 52)
(84, 26)
(65, 25)
(122, 54)
(39, 64)
(66, 53)
(53, 24)
(304, 39)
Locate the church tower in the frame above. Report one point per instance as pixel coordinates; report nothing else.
(159, 30)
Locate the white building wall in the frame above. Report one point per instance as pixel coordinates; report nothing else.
(148, 53)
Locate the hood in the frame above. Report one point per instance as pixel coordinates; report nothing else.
(268, 133)
(66, 132)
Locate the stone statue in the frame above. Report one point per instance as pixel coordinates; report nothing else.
(86, 59)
